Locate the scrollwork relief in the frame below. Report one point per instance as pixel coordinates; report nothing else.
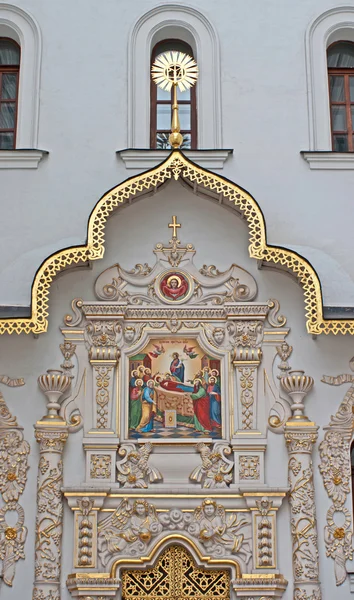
(216, 469)
(134, 470)
(249, 468)
(131, 528)
(335, 469)
(14, 451)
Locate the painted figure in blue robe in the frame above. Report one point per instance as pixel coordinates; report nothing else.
(148, 408)
(214, 393)
(177, 367)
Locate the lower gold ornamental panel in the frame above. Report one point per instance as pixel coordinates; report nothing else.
(175, 577)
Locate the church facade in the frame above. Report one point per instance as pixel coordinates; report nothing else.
(176, 370)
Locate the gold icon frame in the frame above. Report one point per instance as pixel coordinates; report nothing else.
(177, 165)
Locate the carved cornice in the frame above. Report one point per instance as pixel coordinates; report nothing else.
(177, 166)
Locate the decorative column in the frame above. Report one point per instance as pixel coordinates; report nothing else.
(51, 434)
(300, 436)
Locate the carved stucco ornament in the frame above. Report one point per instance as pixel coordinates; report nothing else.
(215, 470)
(133, 526)
(300, 437)
(134, 470)
(51, 434)
(335, 469)
(14, 451)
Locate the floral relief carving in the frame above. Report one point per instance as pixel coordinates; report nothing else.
(335, 469)
(249, 467)
(102, 376)
(134, 470)
(14, 451)
(215, 470)
(247, 377)
(131, 528)
(264, 533)
(85, 533)
(100, 466)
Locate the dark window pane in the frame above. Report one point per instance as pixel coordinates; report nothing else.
(185, 116)
(336, 84)
(341, 56)
(187, 141)
(163, 94)
(162, 142)
(186, 95)
(6, 141)
(340, 143)
(7, 115)
(9, 85)
(351, 88)
(9, 53)
(163, 116)
(339, 119)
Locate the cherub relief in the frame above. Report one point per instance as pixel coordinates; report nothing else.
(134, 470)
(215, 470)
(128, 530)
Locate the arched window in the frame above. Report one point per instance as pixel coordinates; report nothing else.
(9, 79)
(340, 61)
(161, 105)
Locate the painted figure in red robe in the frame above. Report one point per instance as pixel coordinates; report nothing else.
(174, 287)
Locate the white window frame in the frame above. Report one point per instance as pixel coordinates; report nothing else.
(332, 26)
(21, 27)
(189, 25)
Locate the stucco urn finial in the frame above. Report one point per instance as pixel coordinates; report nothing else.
(297, 385)
(53, 384)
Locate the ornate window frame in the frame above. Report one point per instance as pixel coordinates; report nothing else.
(20, 26)
(191, 26)
(336, 24)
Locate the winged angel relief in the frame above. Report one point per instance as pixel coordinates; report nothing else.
(131, 528)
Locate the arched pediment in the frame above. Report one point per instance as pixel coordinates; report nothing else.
(200, 181)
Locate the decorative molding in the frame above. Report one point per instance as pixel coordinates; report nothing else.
(188, 24)
(335, 469)
(134, 470)
(331, 26)
(51, 433)
(19, 25)
(249, 467)
(218, 533)
(148, 158)
(300, 437)
(178, 166)
(215, 470)
(329, 160)
(21, 159)
(14, 451)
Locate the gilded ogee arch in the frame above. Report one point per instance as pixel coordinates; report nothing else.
(179, 167)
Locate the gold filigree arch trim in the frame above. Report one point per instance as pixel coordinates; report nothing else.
(175, 538)
(175, 577)
(177, 166)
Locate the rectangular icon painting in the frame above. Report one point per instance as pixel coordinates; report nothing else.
(174, 391)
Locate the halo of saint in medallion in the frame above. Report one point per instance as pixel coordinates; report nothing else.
(174, 286)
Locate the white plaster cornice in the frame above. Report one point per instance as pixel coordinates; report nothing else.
(329, 160)
(143, 159)
(21, 159)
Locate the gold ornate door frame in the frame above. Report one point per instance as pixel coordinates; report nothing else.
(175, 576)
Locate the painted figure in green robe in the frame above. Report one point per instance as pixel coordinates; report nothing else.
(135, 409)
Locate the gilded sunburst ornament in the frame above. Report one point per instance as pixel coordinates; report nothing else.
(174, 68)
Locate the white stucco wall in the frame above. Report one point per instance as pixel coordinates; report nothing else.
(220, 238)
(83, 121)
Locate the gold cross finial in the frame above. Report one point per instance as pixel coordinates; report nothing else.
(174, 225)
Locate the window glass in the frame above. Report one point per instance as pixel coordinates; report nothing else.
(161, 105)
(9, 52)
